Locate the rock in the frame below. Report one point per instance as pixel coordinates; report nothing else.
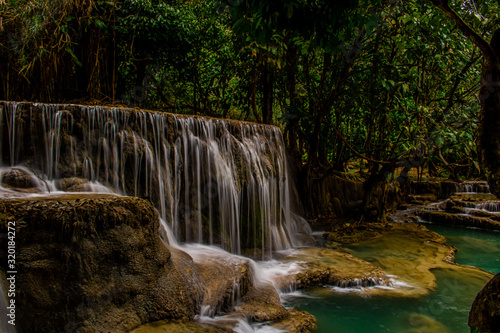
(174, 326)
(20, 179)
(73, 184)
(92, 264)
(459, 220)
(348, 235)
(262, 303)
(423, 324)
(485, 313)
(297, 322)
(335, 194)
(222, 294)
(441, 190)
(322, 266)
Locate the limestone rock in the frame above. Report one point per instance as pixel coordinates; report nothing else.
(485, 312)
(459, 220)
(92, 265)
(297, 322)
(20, 180)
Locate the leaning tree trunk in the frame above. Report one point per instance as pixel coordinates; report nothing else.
(489, 139)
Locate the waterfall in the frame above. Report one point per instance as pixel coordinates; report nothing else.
(472, 187)
(214, 181)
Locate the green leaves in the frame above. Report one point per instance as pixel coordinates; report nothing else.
(73, 56)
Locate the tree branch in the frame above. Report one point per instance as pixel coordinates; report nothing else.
(485, 48)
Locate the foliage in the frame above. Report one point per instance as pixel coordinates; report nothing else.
(355, 81)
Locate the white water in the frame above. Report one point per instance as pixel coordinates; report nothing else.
(472, 187)
(213, 181)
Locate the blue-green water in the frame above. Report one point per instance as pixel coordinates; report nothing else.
(446, 309)
(476, 247)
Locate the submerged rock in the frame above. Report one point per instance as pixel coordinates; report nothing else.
(423, 324)
(89, 264)
(485, 313)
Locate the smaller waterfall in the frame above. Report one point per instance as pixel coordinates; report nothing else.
(487, 206)
(472, 187)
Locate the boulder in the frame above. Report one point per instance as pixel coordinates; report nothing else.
(73, 184)
(484, 316)
(20, 179)
(92, 264)
(297, 322)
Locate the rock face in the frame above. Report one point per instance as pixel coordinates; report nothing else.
(92, 265)
(334, 195)
(485, 313)
(445, 189)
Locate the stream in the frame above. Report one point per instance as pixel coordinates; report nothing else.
(446, 309)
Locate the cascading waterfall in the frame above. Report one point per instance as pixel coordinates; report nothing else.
(472, 187)
(215, 181)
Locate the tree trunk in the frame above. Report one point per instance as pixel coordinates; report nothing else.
(489, 137)
(375, 198)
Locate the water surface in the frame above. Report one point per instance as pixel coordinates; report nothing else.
(446, 309)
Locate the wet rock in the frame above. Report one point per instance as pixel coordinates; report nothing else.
(322, 266)
(20, 179)
(92, 264)
(485, 313)
(73, 184)
(441, 190)
(459, 220)
(297, 322)
(222, 294)
(174, 326)
(349, 234)
(262, 303)
(334, 194)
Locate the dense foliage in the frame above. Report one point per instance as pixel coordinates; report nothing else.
(377, 85)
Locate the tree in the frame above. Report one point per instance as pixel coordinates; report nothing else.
(489, 95)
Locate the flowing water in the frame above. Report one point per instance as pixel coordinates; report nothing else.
(444, 310)
(215, 181)
(220, 183)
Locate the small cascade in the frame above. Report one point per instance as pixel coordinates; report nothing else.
(215, 181)
(361, 283)
(487, 206)
(472, 187)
